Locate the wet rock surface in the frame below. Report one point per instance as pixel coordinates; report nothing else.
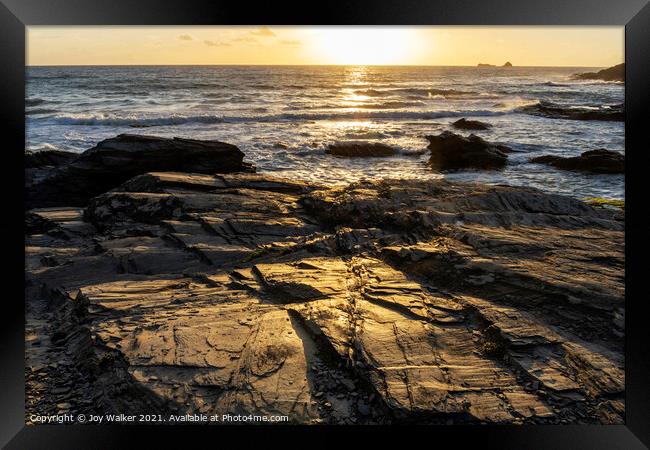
(596, 161)
(550, 110)
(380, 302)
(116, 160)
(464, 124)
(450, 151)
(361, 149)
(48, 158)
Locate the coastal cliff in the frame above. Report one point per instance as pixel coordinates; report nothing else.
(390, 301)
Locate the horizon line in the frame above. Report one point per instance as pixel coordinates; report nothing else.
(313, 65)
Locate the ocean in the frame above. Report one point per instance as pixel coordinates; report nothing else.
(284, 117)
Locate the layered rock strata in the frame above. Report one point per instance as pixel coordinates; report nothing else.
(381, 302)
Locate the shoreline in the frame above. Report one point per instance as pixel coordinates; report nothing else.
(41, 162)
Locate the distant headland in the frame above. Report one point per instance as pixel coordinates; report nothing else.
(614, 73)
(507, 64)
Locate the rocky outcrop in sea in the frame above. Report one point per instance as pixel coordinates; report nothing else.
(179, 290)
(614, 73)
(594, 161)
(450, 151)
(464, 124)
(551, 110)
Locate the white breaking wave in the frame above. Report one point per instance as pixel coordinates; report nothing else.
(307, 108)
(112, 120)
(130, 120)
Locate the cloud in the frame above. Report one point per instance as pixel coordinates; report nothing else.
(185, 37)
(245, 39)
(292, 42)
(263, 31)
(216, 43)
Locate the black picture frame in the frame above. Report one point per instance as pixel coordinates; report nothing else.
(15, 15)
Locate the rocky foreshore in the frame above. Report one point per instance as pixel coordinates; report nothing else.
(180, 289)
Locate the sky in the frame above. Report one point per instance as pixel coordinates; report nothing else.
(594, 46)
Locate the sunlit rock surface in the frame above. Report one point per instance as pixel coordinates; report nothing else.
(381, 302)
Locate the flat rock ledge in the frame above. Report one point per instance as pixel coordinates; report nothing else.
(377, 303)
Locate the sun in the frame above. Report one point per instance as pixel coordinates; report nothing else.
(365, 46)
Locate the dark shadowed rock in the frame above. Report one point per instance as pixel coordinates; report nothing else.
(116, 160)
(596, 161)
(361, 149)
(507, 64)
(464, 124)
(48, 158)
(614, 73)
(40, 165)
(554, 111)
(450, 151)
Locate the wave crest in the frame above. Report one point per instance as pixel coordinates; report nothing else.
(416, 92)
(34, 101)
(103, 120)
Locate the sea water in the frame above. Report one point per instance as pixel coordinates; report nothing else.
(284, 117)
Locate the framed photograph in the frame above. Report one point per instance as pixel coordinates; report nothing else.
(257, 222)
